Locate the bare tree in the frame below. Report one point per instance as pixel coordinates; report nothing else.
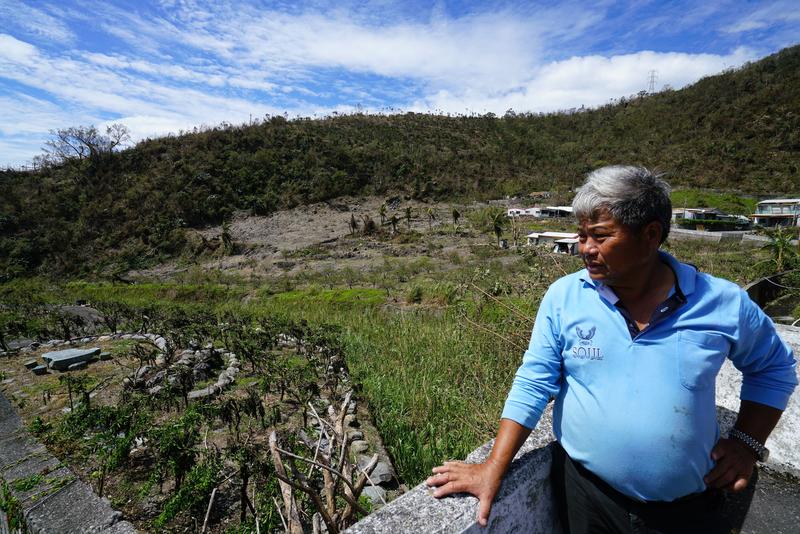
(84, 142)
(343, 481)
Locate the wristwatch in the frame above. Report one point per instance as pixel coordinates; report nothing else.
(762, 453)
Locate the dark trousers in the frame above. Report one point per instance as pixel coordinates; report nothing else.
(588, 505)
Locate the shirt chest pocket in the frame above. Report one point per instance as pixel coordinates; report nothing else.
(700, 356)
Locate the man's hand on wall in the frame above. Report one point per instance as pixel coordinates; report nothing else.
(480, 480)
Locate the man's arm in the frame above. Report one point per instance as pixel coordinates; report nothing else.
(481, 480)
(735, 460)
(768, 379)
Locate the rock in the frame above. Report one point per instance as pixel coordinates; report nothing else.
(62, 359)
(355, 435)
(161, 343)
(137, 453)
(156, 379)
(30, 364)
(142, 371)
(350, 420)
(376, 494)
(102, 339)
(200, 371)
(351, 408)
(202, 393)
(105, 356)
(382, 473)
(39, 370)
(359, 446)
(155, 390)
(77, 366)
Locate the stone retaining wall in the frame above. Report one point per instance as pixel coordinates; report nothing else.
(524, 502)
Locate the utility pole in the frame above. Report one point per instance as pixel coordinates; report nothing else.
(652, 76)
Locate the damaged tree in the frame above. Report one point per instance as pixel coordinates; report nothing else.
(341, 479)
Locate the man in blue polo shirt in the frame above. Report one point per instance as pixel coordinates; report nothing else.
(630, 348)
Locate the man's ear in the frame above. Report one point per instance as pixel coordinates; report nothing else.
(652, 233)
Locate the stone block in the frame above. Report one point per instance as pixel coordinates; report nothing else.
(359, 446)
(382, 472)
(62, 359)
(39, 370)
(376, 495)
(30, 364)
(105, 356)
(77, 366)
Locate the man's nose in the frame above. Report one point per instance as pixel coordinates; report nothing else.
(589, 247)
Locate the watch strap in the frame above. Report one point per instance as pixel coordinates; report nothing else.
(755, 445)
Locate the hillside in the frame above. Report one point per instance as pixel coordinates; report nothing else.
(104, 215)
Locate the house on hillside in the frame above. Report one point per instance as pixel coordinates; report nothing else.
(709, 219)
(559, 242)
(777, 212)
(524, 212)
(557, 211)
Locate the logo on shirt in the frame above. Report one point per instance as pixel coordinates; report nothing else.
(586, 336)
(584, 350)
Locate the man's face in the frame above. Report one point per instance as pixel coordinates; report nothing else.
(610, 250)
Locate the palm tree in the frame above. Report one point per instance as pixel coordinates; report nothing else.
(353, 224)
(431, 217)
(227, 239)
(382, 213)
(393, 221)
(499, 222)
(784, 254)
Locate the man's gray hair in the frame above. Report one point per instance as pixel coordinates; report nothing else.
(633, 196)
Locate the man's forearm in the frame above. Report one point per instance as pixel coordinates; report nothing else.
(510, 437)
(757, 420)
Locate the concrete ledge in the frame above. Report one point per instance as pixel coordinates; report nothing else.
(525, 502)
(58, 502)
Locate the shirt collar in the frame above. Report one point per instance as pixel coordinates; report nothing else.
(684, 279)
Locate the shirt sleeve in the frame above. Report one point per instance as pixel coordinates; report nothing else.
(538, 379)
(765, 360)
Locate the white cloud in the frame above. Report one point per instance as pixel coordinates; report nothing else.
(588, 80)
(766, 16)
(35, 22)
(15, 51)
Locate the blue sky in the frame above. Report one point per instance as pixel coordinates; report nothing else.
(161, 67)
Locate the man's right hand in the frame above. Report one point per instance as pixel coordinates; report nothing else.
(480, 480)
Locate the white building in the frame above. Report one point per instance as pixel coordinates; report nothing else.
(777, 212)
(524, 212)
(561, 242)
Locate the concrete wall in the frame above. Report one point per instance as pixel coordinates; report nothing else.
(59, 502)
(524, 502)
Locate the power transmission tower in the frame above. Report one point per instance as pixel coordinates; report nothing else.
(652, 76)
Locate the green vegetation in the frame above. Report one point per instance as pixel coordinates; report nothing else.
(103, 216)
(727, 202)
